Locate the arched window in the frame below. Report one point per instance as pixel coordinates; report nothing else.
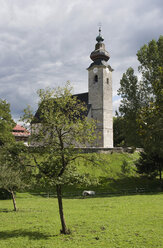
(96, 79)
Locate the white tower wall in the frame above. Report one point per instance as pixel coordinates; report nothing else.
(100, 98)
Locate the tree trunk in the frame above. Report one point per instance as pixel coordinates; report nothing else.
(160, 175)
(14, 200)
(59, 196)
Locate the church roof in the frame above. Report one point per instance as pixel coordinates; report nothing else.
(83, 97)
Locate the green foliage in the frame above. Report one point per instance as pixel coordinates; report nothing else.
(150, 123)
(151, 61)
(130, 104)
(150, 118)
(6, 123)
(142, 105)
(12, 159)
(142, 102)
(4, 194)
(13, 171)
(150, 164)
(118, 131)
(125, 167)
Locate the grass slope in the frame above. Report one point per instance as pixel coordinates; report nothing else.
(116, 174)
(122, 221)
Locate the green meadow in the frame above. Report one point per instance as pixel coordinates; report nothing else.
(118, 216)
(117, 221)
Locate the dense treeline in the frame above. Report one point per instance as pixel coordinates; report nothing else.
(139, 120)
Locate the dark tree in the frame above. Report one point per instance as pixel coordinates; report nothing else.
(142, 106)
(129, 107)
(150, 164)
(118, 131)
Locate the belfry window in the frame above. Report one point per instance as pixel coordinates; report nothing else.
(96, 79)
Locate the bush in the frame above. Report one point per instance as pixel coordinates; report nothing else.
(125, 167)
(4, 194)
(150, 164)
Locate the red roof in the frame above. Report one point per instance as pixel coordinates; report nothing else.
(20, 131)
(19, 128)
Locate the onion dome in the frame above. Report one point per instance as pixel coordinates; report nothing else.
(100, 53)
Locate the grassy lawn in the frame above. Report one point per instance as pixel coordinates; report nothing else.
(118, 221)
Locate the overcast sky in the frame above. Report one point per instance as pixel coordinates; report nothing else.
(47, 42)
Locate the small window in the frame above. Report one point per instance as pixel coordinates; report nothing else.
(96, 79)
(107, 80)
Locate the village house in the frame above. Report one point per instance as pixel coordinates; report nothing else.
(21, 134)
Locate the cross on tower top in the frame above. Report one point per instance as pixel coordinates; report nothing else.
(100, 25)
(99, 38)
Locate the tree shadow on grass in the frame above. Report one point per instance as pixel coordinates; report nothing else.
(5, 210)
(23, 233)
(124, 185)
(125, 182)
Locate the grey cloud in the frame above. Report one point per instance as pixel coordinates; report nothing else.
(46, 43)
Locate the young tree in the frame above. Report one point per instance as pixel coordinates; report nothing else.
(14, 174)
(59, 126)
(13, 161)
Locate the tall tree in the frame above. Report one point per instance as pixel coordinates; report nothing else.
(148, 113)
(118, 131)
(130, 104)
(150, 121)
(150, 118)
(150, 57)
(59, 126)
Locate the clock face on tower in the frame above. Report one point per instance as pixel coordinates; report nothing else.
(107, 70)
(95, 70)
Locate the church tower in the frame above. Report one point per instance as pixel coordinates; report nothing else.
(100, 93)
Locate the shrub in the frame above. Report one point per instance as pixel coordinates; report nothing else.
(4, 194)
